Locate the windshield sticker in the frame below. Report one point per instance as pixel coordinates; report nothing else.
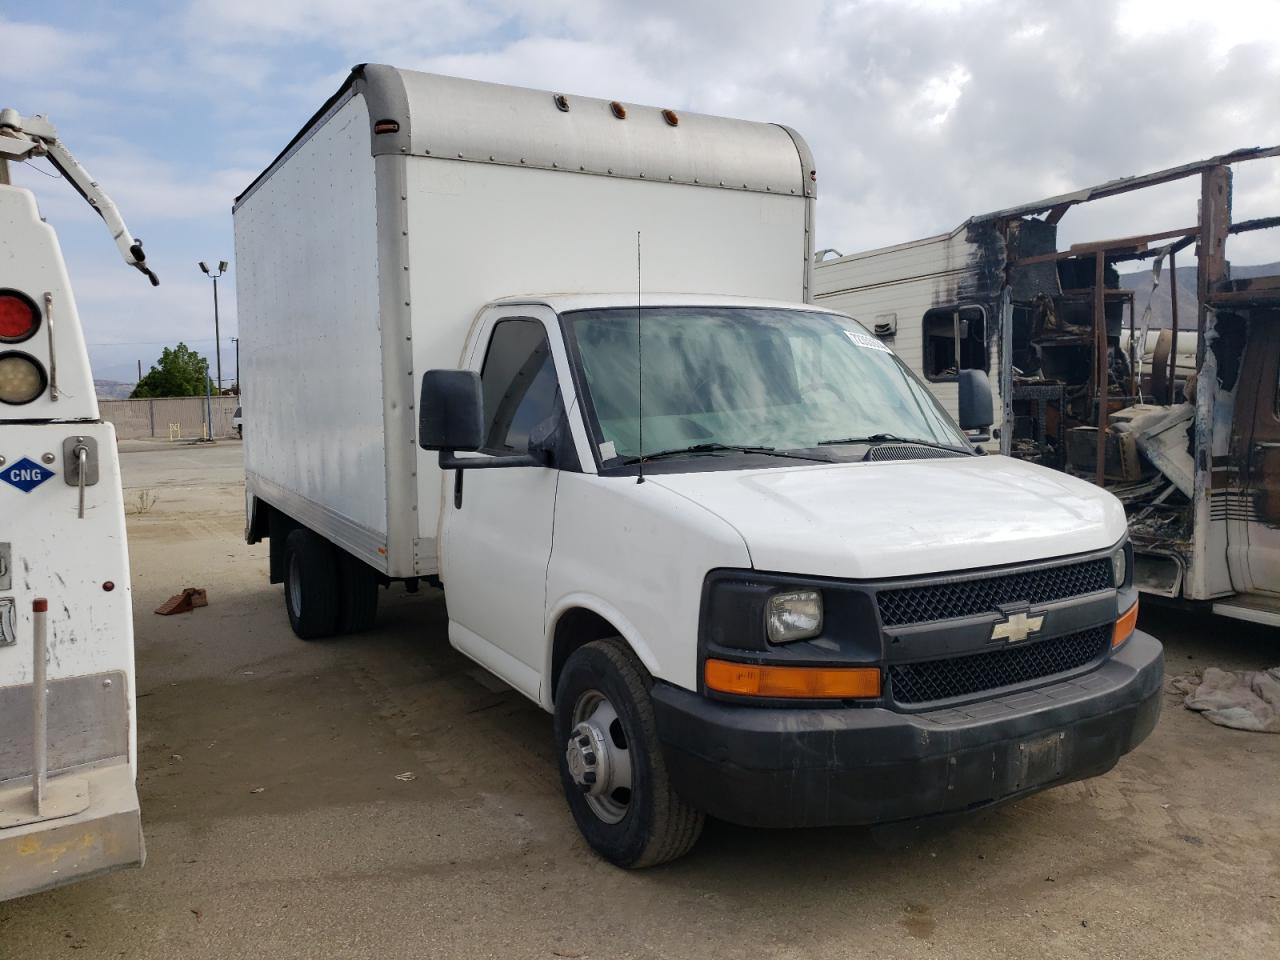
(608, 451)
(862, 340)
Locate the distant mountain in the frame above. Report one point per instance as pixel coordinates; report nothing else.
(1162, 303)
(112, 389)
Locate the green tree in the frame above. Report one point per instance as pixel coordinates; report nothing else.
(180, 372)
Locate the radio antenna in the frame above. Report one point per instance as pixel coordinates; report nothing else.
(639, 367)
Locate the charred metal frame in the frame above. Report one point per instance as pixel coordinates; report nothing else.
(1056, 327)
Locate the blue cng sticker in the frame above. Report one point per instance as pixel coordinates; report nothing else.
(25, 475)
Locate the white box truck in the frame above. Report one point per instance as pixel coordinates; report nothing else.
(742, 555)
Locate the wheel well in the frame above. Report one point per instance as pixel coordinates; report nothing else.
(576, 628)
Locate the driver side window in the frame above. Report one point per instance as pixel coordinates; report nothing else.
(518, 383)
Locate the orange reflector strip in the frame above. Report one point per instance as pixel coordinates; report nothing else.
(1125, 625)
(750, 680)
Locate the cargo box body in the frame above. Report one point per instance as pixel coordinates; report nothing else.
(364, 256)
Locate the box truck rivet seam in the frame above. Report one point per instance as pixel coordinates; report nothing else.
(769, 580)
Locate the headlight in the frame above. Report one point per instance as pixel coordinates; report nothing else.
(22, 379)
(1120, 565)
(793, 616)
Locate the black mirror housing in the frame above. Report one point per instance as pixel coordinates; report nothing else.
(451, 411)
(977, 409)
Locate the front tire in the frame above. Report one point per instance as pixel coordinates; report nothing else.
(612, 766)
(310, 584)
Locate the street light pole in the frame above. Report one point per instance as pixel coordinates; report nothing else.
(217, 335)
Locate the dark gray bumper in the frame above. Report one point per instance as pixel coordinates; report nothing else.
(823, 766)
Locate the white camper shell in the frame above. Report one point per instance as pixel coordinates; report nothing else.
(555, 354)
(68, 732)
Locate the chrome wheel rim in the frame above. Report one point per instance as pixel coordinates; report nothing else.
(599, 757)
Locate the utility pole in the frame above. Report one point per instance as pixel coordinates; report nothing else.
(236, 341)
(217, 336)
(139, 371)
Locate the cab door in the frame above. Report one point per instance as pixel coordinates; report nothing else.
(496, 527)
(1254, 530)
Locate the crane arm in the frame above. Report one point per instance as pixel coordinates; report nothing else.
(24, 137)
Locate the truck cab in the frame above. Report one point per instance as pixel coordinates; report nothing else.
(737, 553)
(726, 538)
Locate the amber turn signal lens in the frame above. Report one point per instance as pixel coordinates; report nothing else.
(751, 680)
(1125, 626)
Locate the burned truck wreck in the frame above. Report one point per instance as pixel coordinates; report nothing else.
(1180, 419)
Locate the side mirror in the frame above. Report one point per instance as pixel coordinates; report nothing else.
(451, 411)
(976, 406)
(451, 419)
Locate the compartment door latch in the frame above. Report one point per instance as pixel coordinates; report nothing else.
(80, 455)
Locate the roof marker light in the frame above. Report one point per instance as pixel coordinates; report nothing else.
(618, 109)
(670, 116)
(561, 101)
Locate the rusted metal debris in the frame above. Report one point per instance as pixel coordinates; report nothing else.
(184, 602)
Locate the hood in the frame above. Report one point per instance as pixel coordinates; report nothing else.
(905, 518)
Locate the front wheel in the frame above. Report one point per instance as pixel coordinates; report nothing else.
(611, 763)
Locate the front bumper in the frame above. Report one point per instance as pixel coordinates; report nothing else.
(792, 767)
(105, 836)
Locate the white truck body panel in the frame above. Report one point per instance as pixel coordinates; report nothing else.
(310, 346)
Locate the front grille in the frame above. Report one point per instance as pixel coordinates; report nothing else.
(965, 598)
(932, 680)
(909, 451)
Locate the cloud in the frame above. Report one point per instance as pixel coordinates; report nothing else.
(36, 49)
(920, 114)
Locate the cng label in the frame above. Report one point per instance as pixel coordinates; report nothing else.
(25, 475)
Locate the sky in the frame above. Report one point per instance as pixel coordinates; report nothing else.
(919, 114)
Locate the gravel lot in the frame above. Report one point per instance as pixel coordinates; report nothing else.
(277, 825)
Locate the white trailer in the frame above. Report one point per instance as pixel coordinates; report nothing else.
(554, 354)
(68, 734)
(1187, 436)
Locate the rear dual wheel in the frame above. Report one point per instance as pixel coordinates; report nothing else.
(326, 590)
(611, 763)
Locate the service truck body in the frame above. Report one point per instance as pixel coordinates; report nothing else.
(68, 733)
(516, 343)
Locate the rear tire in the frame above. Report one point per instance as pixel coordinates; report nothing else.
(357, 595)
(310, 584)
(603, 697)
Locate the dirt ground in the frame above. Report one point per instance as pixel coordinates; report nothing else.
(278, 823)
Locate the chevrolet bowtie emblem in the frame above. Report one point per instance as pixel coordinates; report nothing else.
(1017, 627)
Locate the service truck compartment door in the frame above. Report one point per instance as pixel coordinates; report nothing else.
(496, 529)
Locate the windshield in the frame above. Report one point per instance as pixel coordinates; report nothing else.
(746, 377)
